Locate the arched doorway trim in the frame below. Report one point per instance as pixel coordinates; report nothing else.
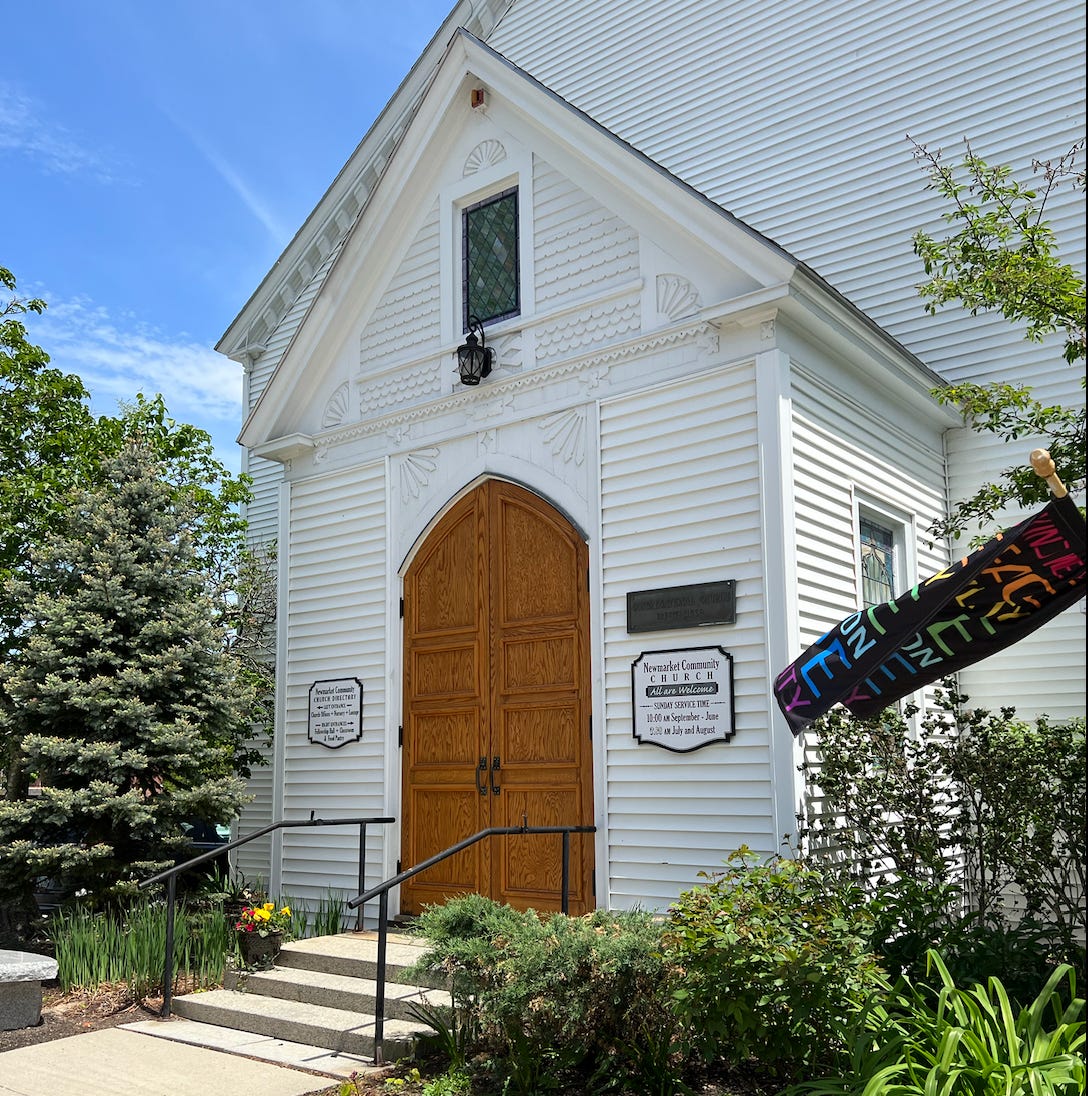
(496, 698)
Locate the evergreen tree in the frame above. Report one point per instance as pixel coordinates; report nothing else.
(125, 706)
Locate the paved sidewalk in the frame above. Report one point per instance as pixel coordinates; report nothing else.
(135, 1060)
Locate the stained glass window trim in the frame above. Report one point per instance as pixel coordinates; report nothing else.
(490, 258)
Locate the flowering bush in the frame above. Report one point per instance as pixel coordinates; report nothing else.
(265, 920)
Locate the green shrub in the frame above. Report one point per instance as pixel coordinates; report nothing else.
(918, 1041)
(558, 1001)
(774, 958)
(972, 836)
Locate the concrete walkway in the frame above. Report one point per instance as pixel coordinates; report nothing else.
(171, 1058)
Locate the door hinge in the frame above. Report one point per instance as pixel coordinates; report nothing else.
(400, 869)
(400, 736)
(593, 881)
(591, 727)
(402, 608)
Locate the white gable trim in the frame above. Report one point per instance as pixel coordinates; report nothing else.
(637, 190)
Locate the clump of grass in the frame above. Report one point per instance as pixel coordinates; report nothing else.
(109, 947)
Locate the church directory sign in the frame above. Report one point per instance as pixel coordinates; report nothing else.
(336, 712)
(683, 700)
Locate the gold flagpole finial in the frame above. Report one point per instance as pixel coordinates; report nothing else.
(1044, 467)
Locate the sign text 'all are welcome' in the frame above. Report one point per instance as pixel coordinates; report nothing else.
(683, 699)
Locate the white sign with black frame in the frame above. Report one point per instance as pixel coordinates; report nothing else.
(336, 712)
(683, 699)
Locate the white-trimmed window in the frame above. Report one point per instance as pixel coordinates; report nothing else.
(883, 568)
(485, 254)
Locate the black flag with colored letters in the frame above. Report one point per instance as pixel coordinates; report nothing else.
(975, 607)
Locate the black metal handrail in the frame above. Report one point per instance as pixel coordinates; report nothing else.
(170, 875)
(381, 892)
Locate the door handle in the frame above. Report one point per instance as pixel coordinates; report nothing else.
(496, 765)
(481, 787)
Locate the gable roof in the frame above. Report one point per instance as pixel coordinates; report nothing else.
(636, 182)
(348, 194)
(794, 116)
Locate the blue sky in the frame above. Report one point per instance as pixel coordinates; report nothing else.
(156, 156)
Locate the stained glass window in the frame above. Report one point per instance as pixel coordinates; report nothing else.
(490, 257)
(877, 563)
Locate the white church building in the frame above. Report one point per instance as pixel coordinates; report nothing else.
(559, 593)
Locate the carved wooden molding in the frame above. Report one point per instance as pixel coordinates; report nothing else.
(565, 433)
(416, 470)
(485, 154)
(338, 408)
(677, 297)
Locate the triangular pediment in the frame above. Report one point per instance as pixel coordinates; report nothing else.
(616, 247)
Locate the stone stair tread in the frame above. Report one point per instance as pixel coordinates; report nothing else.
(401, 950)
(320, 994)
(255, 1013)
(335, 1020)
(280, 981)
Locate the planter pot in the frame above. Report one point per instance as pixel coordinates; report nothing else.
(257, 950)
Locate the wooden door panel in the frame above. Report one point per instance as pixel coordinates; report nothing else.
(439, 673)
(538, 561)
(438, 811)
(444, 740)
(446, 596)
(445, 718)
(538, 662)
(540, 735)
(530, 868)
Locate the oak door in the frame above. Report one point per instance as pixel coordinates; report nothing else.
(496, 702)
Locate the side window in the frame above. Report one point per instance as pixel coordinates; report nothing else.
(491, 271)
(880, 577)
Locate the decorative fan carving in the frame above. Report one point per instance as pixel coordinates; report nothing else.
(415, 472)
(676, 296)
(336, 410)
(485, 154)
(565, 433)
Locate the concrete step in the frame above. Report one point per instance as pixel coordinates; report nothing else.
(318, 987)
(321, 994)
(335, 1030)
(355, 955)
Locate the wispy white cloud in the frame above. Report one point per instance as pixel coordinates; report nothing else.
(119, 357)
(226, 171)
(26, 131)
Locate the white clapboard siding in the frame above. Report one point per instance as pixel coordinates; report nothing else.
(794, 116)
(335, 628)
(674, 516)
(835, 460)
(253, 861)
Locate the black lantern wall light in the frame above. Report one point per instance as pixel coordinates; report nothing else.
(474, 356)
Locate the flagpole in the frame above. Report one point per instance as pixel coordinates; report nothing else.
(1044, 467)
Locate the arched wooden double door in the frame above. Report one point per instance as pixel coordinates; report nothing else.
(497, 702)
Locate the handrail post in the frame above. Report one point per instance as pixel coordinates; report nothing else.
(379, 988)
(362, 874)
(565, 902)
(168, 964)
